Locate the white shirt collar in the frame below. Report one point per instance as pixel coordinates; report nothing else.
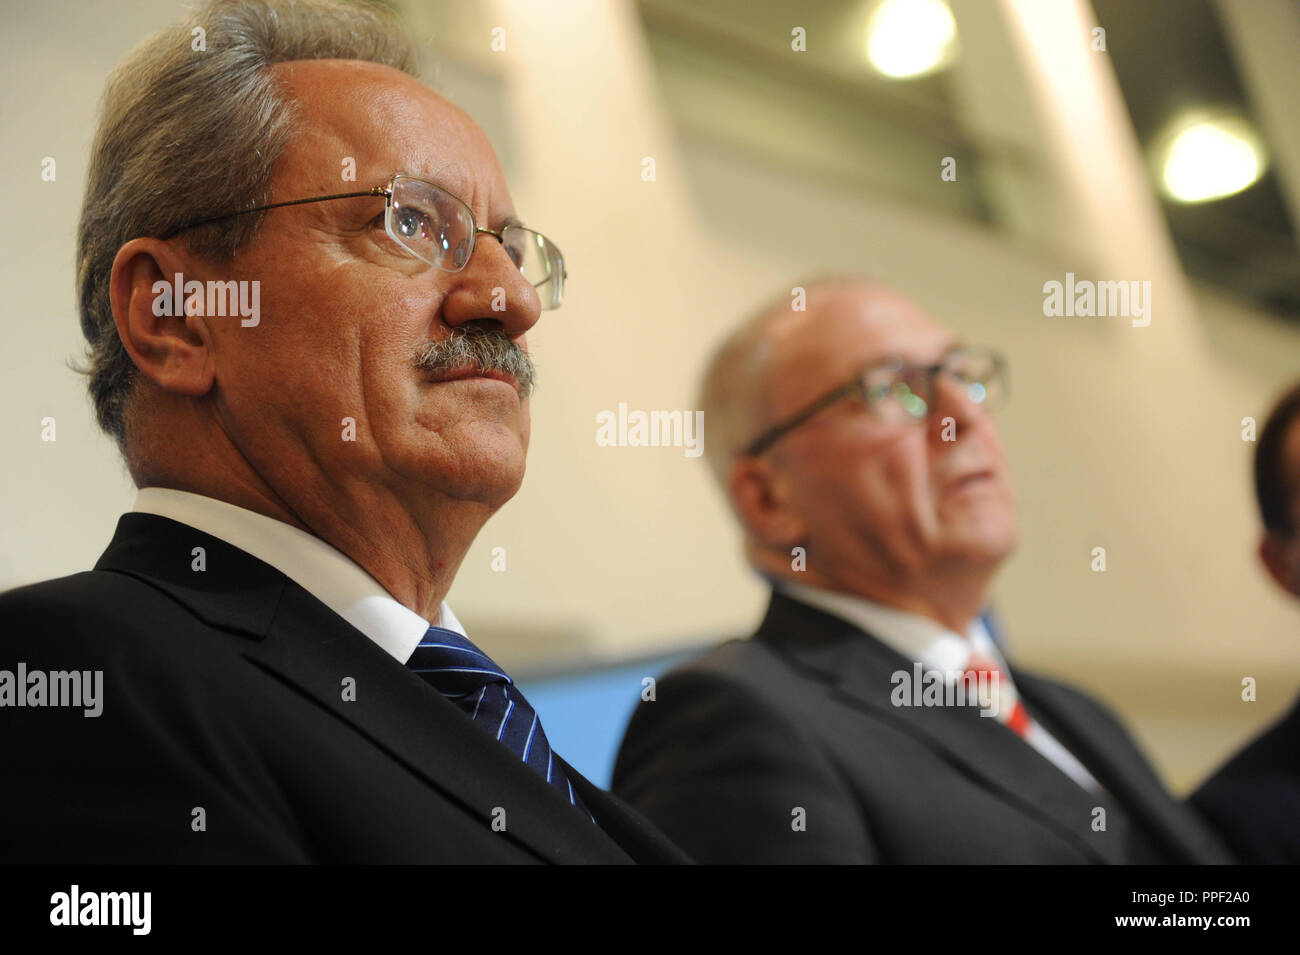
(917, 638)
(325, 573)
(935, 647)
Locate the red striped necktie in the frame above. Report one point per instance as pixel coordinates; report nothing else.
(1010, 711)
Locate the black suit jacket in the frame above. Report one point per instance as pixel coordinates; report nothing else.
(1254, 799)
(799, 718)
(224, 691)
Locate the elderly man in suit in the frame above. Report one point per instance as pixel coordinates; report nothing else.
(1254, 799)
(855, 444)
(281, 678)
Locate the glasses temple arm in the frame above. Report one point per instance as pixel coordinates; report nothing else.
(376, 191)
(771, 435)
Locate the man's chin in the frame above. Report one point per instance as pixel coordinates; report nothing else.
(985, 543)
(491, 479)
(485, 465)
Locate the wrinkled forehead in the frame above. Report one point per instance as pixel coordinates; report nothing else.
(846, 328)
(382, 121)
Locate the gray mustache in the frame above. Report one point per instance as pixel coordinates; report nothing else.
(487, 348)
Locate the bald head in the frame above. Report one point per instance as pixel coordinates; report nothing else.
(746, 378)
(914, 512)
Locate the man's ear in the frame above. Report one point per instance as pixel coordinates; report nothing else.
(762, 500)
(1281, 556)
(169, 347)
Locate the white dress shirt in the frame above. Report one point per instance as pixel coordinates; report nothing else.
(935, 647)
(327, 574)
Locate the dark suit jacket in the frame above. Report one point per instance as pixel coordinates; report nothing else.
(799, 717)
(1254, 799)
(223, 690)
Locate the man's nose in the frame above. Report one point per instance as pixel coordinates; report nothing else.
(491, 289)
(951, 399)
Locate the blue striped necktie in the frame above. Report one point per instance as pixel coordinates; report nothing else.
(467, 676)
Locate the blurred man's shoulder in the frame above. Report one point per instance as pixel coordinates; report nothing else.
(1271, 758)
(740, 660)
(743, 677)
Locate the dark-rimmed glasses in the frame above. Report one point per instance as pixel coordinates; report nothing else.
(899, 392)
(439, 228)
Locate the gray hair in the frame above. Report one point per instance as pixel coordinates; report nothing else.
(731, 394)
(192, 123)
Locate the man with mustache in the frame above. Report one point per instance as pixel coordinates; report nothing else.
(854, 442)
(282, 679)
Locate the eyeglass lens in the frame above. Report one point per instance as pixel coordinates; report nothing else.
(903, 392)
(439, 228)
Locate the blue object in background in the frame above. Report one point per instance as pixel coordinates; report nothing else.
(994, 626)
(585, 714)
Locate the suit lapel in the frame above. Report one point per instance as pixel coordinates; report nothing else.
(632, 831)
(313, 650)
(858, 669)
(1121, 768)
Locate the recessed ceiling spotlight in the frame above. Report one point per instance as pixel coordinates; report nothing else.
(1201, 158)
(909, 38)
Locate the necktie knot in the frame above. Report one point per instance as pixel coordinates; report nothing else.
(453, 665)
(1010, 711)
(470, 678)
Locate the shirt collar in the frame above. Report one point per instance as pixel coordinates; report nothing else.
(917, 638)
(935, 647)
(324, 572)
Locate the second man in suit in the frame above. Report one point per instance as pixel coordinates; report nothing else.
(855, 444)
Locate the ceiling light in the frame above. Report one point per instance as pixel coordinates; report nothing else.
(1205, 159)
(907, 38)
